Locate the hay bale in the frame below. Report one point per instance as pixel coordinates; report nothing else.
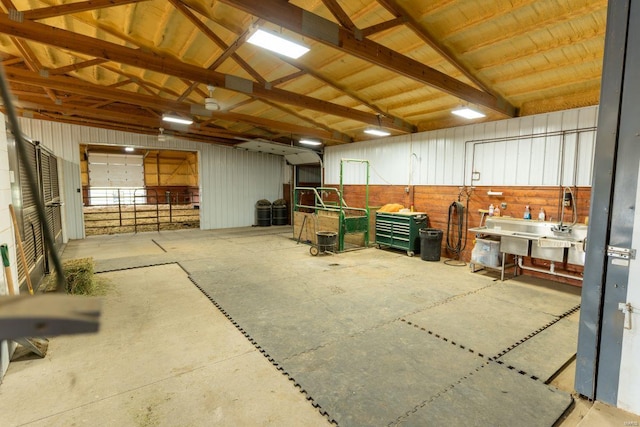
(78, 274)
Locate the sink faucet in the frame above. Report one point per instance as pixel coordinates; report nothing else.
(562, 227)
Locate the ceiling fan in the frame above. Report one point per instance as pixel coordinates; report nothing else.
(211, 103)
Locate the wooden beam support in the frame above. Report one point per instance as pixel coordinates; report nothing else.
(322, 30)
(71, 85)
(77, 66)
(383, 26)
(65, 9)
(393, 7)
(339, 14)
(137, 58)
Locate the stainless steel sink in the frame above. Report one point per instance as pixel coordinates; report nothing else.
(538, 239)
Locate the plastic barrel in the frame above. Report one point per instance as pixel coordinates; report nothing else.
(263, 215)
(327, 241)
(430, 244)
(279, 213)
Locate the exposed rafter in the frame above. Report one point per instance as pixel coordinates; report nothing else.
(87, 89)
(137, 58)
(66, 9)
(393, 7)
(309, 25)
(339, 14)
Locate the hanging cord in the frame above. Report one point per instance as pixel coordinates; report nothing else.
(31, 180)
(457, 211)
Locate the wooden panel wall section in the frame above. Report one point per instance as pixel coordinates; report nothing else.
(435, 201)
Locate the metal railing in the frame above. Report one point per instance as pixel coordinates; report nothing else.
(123, 210)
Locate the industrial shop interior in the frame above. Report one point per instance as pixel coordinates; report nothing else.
(315, 213)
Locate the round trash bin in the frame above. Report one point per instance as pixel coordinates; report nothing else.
(263, 213)
(279, 212)
(327, 241)
(430, 244)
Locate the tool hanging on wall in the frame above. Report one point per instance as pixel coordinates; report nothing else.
(23, 259)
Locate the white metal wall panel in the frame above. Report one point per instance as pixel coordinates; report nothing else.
(224, 202)
(504, 152)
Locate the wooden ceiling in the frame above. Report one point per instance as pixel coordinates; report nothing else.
(402, 65)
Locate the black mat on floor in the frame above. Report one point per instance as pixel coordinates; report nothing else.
(363, 356)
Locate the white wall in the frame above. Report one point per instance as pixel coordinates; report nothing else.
(231, 180)
(502, 152)
(6, 233)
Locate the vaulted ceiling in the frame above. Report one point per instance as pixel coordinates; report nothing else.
(402, 65)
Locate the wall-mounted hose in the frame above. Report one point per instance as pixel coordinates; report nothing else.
(456, 235)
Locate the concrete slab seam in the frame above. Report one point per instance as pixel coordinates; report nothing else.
(135, 267)
(159, 245)
(266, 355)
(431, 399)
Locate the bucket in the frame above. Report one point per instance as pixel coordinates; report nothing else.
(327, 241)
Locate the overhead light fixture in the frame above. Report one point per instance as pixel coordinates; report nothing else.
(129, 149)
(377, 132)
(176, 119)
(277, 43)
(468, 113)
(310, 142)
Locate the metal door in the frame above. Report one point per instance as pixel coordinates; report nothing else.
(613, 210)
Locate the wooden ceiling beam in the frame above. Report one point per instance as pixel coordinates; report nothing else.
(339, 13)
(394, 8)
(324, 31)
(77, 66)
(351, 93)
(87, 45)
(66, 9)
(229, 50)
(11, 61)
(71, 85)
(383, 26)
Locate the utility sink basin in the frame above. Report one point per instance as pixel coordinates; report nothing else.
(538, 239)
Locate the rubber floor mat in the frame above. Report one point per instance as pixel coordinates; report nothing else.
(485, 324)
(492, 396)
(547, 352)
(371, 378)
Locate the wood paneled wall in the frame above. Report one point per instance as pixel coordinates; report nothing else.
(435, 201)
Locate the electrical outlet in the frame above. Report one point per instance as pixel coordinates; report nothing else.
(406, 190)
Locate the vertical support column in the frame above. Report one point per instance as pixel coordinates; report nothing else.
(612, 208)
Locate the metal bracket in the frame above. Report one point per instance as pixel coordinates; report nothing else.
(626, 309)
(624, 253)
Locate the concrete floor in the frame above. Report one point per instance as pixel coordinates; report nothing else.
(166, 356)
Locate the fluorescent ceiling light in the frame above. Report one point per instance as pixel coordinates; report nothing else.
(176, 119)
(310, 142)
(377, 132)
(468, 113)
(129, 149)
(278, 44)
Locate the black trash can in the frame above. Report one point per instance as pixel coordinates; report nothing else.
(279, 212)
(263, 213)
(430, 244)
